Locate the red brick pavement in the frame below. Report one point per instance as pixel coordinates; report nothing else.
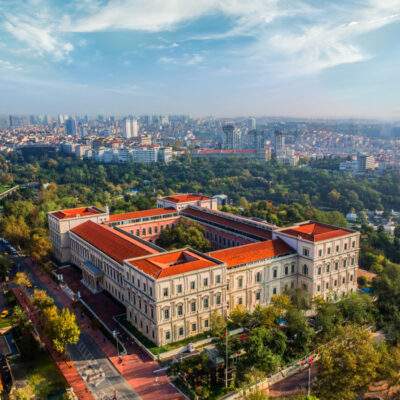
(66, 368)
(136, 367)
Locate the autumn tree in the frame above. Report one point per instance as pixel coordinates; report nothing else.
(15, 230)
(20, 319)
(39, 248)
(239, 316)
(21, 279)
(41, 300)
(217, 323)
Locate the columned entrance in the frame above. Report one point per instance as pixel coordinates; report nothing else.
(91, 276)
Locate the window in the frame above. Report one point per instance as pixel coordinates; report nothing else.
(305, 269)
(306, 252)
(275, 273)
(152, 312)
(258, 296)
(329, 250)
(150, 231)
(144, 287)
(156, 229)
(344, 263)
(337, 248)
(274, 290)
(218, 299)
(318, 288)
(240, 282)
(193, 327)
(166, 313)
(193, 306)
(205, 282)
(206, 323)
(151, 291)
(351, 278)
(327, 285)
(336, 266)
(240, 301)
(165, 291)
(344, 280)
(320, 253)
(180, 310)
(144, 233)
(286, 270)
(352, 261)
(205, 302)
(179, 288)
(353, 244)
(137, 232)
(180, 331)
(218, 279)
(335, 283)
(293, 267)
(167, 335)
(305, 287)
(192, 285)
(345, 246)
(319, 270)
(328, 268)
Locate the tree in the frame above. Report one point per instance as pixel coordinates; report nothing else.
(266, 316)
(356, 308)
(299, 297)
(217, 323)
(239, 316)
(15, 230)
(347, 365)
(21, 279)
(41, 300)
(255, 394)
(329, 317)
(66, 330)
(281, 302)
(20, 319)
(5, 265)
(299, 331)
(39, 248)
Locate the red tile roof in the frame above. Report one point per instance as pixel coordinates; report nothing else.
(315, 232)
(141, 214)
(111, 242)
(222, 219)
(76, 212)
(252, 252)
(183, 198)
(173, 263)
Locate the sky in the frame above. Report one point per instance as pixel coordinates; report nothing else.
(309, 58)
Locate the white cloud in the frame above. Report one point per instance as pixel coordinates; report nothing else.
(194, 59)
(8, 66)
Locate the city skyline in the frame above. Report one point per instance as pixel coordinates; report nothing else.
(204, 58)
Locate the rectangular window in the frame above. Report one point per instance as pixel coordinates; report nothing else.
(327, 285)
(335, 283)
(344, 263)
(137, 232)
(306, 252)
(193, 306)
(320, 253)
(240, 282)
(166, 313)
(318, 288)
(205, 303)
(165, 292)
(205, 282)
(319, 271)
(352, 261)
(344, 280)
(167, 335)
(329, 250)
(353, 244)
(193, 327)
(180, 331)
(206, 323)
(275, 273)
(345, 246)
(328, 268)
(180, 310)
(240, 301)
(192, 285)
(151, 291)
(179, 289)
(274, 291)
(286, 270)
(336, 266)
(218, 299)
(337, 248)
(293, 267)
(258, 296)
(218, 279)
(155, 229)
(258, 277)
(150, 231)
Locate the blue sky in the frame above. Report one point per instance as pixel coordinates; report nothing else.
(204, 57)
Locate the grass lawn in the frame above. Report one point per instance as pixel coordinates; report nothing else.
(161, 349)
(5, 322)
(4, 188)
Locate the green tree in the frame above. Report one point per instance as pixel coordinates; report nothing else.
(357, 308)
(20, 319)
(15, 230)
(217, 323)
(5, 265)
(239, 316)
(39, 248)
(299, 331)
(266, 316)
(347, 365)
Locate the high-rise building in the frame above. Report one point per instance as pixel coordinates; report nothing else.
(251, 123)
(279, 142)
(255, 139)
(365, 162)
(130, 128)
(231, 137)
(70, 126)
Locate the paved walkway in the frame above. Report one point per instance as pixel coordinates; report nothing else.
(136, 368)
(67, 368)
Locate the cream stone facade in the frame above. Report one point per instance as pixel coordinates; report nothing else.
(170, 295)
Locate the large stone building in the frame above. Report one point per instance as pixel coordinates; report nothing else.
(170, 295)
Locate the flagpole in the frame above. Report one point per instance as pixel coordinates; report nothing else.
(226, 350)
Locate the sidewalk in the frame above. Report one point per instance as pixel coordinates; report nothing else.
(136, 368)
(67, 369)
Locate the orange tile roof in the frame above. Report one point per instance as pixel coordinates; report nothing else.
(172, 263)
(75, 212)
(182, 198)
(252, 252)
(223, 220)
(111, 242)
(315, 232)
(141, 214)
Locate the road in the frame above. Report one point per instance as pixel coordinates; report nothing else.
(87, 357)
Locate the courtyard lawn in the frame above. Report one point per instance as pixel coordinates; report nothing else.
(5, 322)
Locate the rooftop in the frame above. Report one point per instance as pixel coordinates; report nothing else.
(76, 212)
(252, 252)
(141, 214)
(183, 198)
(315, 232)
(172, 263)
(112, 242)
(225, 221)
